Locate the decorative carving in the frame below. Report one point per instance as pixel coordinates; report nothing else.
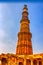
(24, 35)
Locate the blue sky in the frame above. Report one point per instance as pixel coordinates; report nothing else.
(10, 16)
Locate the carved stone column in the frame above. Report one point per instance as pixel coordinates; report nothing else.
(37, 62)
(17, 61)
(0, 62)
(42, 60)
(9, 61)
(24, 61)
(31, 61)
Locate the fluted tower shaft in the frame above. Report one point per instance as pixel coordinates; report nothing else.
(24, 45)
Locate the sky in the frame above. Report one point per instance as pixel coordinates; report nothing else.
(10, 16)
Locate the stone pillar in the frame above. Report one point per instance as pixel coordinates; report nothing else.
(42, 61)
(32, 62)
(17, 61)
(9, 61)
(0, 62)
(37, 62)
(24, 61)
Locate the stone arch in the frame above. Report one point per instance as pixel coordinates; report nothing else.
(28, 62)
(34, 62)
(3, 61)
(20, 63)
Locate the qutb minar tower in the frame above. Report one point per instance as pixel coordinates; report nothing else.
(24, 45)
(24, 52)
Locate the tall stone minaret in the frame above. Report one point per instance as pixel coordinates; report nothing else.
(24, 44)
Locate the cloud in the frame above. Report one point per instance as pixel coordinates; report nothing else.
(2, 43)
(5, 47)
(7, 44)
